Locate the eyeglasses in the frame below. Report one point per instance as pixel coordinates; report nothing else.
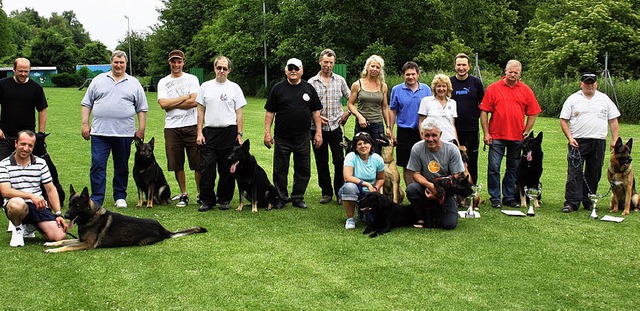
(292, 67)
(220, 68)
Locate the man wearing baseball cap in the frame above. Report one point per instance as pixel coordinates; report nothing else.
(177, 96)
(584, 119)
(293, 103)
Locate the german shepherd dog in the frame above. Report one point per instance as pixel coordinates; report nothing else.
(100, 228)
(381, 214)
(529, 170)
(391, 187)
(621, 178)
(253, 183)
(40, 150)
(446, 187)
(148, 175)
(465, 159)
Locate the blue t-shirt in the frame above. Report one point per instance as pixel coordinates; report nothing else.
(405, 102)
(365, 170)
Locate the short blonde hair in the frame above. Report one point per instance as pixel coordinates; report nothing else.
(442, 78)
(365, 70)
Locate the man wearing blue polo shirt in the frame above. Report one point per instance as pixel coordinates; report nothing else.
(114, 98)
(403, 110)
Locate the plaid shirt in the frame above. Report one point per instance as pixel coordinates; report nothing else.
(330, 96)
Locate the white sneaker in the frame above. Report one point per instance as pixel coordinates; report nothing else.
(29, 231)
(16, 237)
(121, 203)
(350, 224)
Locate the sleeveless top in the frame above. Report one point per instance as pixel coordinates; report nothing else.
(370, 104)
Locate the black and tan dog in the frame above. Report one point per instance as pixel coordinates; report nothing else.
(529, 170)
(391, 187)
(148, 175)
(621, 178)
(382, 215)
(40, 150)
(446, 186)
(100, 228)
(253, 183)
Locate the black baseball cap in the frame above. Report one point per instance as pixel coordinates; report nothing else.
(588, 76)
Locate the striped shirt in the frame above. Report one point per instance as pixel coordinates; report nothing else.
(27, 179)
(330, 96)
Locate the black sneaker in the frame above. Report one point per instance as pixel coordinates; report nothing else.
(183, 201)
(496, 204)
(198, 199)
(299, 204)
(224, 206)
(512, 204)
(204, 207)
(568, 209)
(278, 205)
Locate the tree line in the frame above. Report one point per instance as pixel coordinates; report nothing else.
(553, 38)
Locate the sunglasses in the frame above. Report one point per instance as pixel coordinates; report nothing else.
(220, 68)
(292, 67)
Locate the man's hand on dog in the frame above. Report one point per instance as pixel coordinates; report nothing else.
(430, 191)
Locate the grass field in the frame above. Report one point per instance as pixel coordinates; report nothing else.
(294, 259)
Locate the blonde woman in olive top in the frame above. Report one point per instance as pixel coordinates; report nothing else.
(370, 93)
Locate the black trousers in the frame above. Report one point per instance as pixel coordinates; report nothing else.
(214, 161)
(471, 140)
(587, 161)
(284, 148)
(330, 140)
(447, 218)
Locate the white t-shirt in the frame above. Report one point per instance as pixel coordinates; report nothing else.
(589, 118)
(221, 100)
(170, 87)
(431, 107)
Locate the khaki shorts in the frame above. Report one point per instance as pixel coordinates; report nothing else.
(177, 141)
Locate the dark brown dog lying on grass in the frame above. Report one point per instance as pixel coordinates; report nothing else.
(100, 228)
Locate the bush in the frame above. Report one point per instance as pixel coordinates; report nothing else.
(66, 79)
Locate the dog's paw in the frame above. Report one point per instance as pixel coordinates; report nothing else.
(49, 244)
(239, 209)
(254, 210)
(625, 212)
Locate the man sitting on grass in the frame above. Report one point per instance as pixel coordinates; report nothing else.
(21, 175)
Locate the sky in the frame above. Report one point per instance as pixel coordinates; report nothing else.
(104, 20)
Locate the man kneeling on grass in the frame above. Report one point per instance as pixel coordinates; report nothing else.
(21, 175)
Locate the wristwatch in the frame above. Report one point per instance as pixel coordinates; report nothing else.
(59, 214)
(240, 133)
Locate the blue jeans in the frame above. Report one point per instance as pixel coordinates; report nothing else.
(496, 153)
(101, 146)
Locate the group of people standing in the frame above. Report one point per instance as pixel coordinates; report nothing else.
(205, 122)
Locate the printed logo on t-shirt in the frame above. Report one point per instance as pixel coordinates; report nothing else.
(434, 166)
(306, 97)
(464, 91)
(223, 97)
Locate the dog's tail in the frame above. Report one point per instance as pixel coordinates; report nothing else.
(187, 231)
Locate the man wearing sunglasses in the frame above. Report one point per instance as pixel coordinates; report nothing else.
(220, 103)
(584, 119)
(177, 96)
(294, 104)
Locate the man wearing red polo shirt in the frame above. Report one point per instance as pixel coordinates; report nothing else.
(508, 101)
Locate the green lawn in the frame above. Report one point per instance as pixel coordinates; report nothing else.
(304, 259)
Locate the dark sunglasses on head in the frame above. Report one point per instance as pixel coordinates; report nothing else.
(292, 67)
(220, 68)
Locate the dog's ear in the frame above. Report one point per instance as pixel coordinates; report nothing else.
(539, 137)
(382, 140)
(71, 190)
(618, 143)
(138, 142)
(85, 193)
(152, 142)
(246, 145)
(530, 134)
(630, 143)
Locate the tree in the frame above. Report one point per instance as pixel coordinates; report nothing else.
(94, 53)
(138, 56)
(569, 37)
(7, 47)
(49, 48)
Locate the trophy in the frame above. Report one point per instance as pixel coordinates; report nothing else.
(470, 213)
(594, 201)
(532, 194)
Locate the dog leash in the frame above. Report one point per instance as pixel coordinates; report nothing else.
(577, 161)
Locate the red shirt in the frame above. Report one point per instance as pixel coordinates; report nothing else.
(508, 107)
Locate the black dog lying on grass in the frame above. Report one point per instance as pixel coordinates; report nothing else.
(100, 228)
(382, 215)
